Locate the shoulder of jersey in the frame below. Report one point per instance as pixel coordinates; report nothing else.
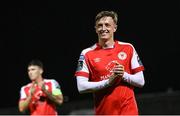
(49, 80)
(27, 85)
(125, 43)
(93, 47)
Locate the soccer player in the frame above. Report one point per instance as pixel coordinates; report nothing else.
(40, 96)
(110, 69)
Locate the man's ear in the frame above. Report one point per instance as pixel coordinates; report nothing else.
(115, 28)
(41, 71)
(95, 29)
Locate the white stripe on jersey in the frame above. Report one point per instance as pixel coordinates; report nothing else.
(125, 43)
(89, 49)
(85, 68)
(22, 93)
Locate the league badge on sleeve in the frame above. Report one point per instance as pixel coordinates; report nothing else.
(80, 63)
(56, 84)
(81, 58)
(139, 60)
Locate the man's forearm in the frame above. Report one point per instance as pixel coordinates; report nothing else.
(23, 105)
(85, 86)
(136, 80)
(53, 98)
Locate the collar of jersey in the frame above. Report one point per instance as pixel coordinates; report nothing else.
(111, 47)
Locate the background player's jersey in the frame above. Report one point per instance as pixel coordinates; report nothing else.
(39, 104)
(97, 63)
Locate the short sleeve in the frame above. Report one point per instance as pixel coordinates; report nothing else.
(56, 89)
(22, 94)
(82, 68)
(136, 63)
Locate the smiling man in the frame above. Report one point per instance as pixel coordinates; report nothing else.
(40, 96)
(110, 69)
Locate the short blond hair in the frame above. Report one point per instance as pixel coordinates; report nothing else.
(107, 14)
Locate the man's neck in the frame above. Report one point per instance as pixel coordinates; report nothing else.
(107, 44)
(39, 79)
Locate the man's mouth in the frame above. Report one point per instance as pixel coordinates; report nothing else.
(103, 33)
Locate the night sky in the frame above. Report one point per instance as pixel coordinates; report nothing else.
(56, 32)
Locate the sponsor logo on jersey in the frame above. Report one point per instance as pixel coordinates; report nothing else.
(103, 77)
(111, 65)
(122, 55)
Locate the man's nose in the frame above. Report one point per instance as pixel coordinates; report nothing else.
(103, 27)
(30, 72)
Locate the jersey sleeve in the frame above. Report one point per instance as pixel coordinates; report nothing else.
(56, 89)
(22, 94)
(136, 64)
(82, 68)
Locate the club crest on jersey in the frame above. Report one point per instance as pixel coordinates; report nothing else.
(122, 55)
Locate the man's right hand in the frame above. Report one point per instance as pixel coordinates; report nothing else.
(32, 88)
(23, 104)
(117, 72)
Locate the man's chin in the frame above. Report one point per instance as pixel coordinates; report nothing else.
(33, 79)
(104, 38)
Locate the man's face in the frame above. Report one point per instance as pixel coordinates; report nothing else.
(105, 28)
(34, 72)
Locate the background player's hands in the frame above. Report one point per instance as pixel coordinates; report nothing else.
(42, 86)
(32, 88)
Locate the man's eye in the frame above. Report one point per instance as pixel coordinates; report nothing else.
(99, 26)
(107, 25)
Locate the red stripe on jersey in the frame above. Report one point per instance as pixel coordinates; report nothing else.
(84, 74)
(138, 69)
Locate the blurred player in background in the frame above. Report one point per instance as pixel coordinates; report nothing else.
(40, 96)
(110, 69)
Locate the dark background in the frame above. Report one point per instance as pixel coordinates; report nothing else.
(57, 31)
